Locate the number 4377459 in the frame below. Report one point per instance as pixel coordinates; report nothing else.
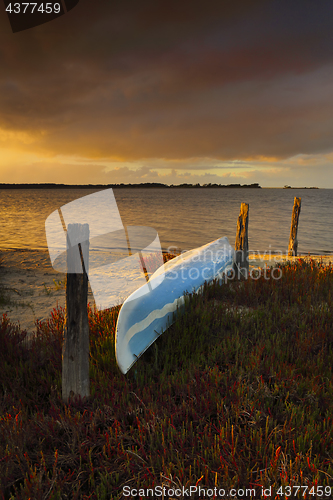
(31, 7)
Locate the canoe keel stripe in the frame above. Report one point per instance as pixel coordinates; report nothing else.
(142, 325)
(165, 314)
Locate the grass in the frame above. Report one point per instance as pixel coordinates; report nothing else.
(237, 394)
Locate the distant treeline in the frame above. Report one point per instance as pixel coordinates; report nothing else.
(289, 187)
(105, 186)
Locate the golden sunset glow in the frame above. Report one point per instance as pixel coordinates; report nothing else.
(229, 93)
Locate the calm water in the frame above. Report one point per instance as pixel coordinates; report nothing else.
(185, 218)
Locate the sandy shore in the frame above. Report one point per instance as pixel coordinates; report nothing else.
(33, 288)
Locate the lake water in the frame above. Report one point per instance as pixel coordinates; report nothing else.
(184, 218)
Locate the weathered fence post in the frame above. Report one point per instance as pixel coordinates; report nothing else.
(242, 243)
(75, 352)
(293, 243)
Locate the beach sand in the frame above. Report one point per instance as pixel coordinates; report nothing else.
(33, 288)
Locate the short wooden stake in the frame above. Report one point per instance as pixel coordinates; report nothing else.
(242, 243)
(293, 243)
(75, 352)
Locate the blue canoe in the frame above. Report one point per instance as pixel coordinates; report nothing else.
(151, 309)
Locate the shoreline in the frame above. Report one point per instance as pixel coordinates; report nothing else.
(29, 289)
(33, 288)
(146, 185)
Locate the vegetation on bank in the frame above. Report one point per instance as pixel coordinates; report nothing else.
(237, 394)
(122, 185)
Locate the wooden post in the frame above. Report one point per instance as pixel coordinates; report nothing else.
(293, 243)
(242, 243)
(75, 352)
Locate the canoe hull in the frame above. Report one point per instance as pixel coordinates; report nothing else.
(152, 308)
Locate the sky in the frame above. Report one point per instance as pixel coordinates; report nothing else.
(176, 92)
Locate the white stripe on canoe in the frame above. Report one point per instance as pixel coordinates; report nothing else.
(156, 314)
(160, 313)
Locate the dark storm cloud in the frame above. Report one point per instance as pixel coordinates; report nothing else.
(173, 79)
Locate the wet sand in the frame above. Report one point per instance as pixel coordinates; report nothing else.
(33, 288)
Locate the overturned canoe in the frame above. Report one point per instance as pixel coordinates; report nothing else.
(151, 309)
